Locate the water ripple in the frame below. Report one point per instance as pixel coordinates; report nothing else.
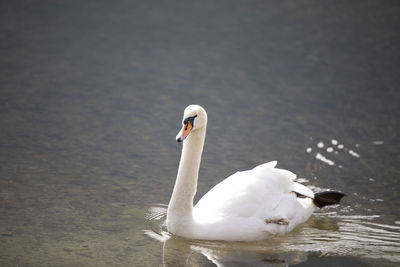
(327, 234)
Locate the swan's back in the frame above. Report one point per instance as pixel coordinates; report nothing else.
(255, 193)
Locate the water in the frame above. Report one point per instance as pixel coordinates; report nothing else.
(92, 96)
(326, 235)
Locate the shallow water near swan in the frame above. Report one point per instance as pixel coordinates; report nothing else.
(91, 98)
(346, 237)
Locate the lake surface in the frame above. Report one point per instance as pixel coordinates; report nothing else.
(91, 99)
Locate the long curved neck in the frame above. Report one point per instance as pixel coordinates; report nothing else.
(181, 203)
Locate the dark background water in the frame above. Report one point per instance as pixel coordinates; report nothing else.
(92, 94)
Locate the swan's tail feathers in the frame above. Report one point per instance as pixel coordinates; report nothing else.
(326, 198)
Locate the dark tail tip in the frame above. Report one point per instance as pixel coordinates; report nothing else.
(326, 198)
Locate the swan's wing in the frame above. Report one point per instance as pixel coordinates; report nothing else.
(285, 174)
(249, 193)
(303, 190)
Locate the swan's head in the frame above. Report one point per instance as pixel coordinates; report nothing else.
(194, 118)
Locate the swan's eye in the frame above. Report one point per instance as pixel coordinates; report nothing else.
(189, 120)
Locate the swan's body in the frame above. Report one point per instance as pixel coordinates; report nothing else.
(249, 205)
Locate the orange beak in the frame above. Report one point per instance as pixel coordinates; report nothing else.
(184, 132)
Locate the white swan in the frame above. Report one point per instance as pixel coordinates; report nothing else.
(246, 206)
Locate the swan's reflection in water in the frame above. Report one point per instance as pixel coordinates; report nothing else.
(326, 234)
(180, 252)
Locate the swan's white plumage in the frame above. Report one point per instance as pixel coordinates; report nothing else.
(243, 207)
(244, 202)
